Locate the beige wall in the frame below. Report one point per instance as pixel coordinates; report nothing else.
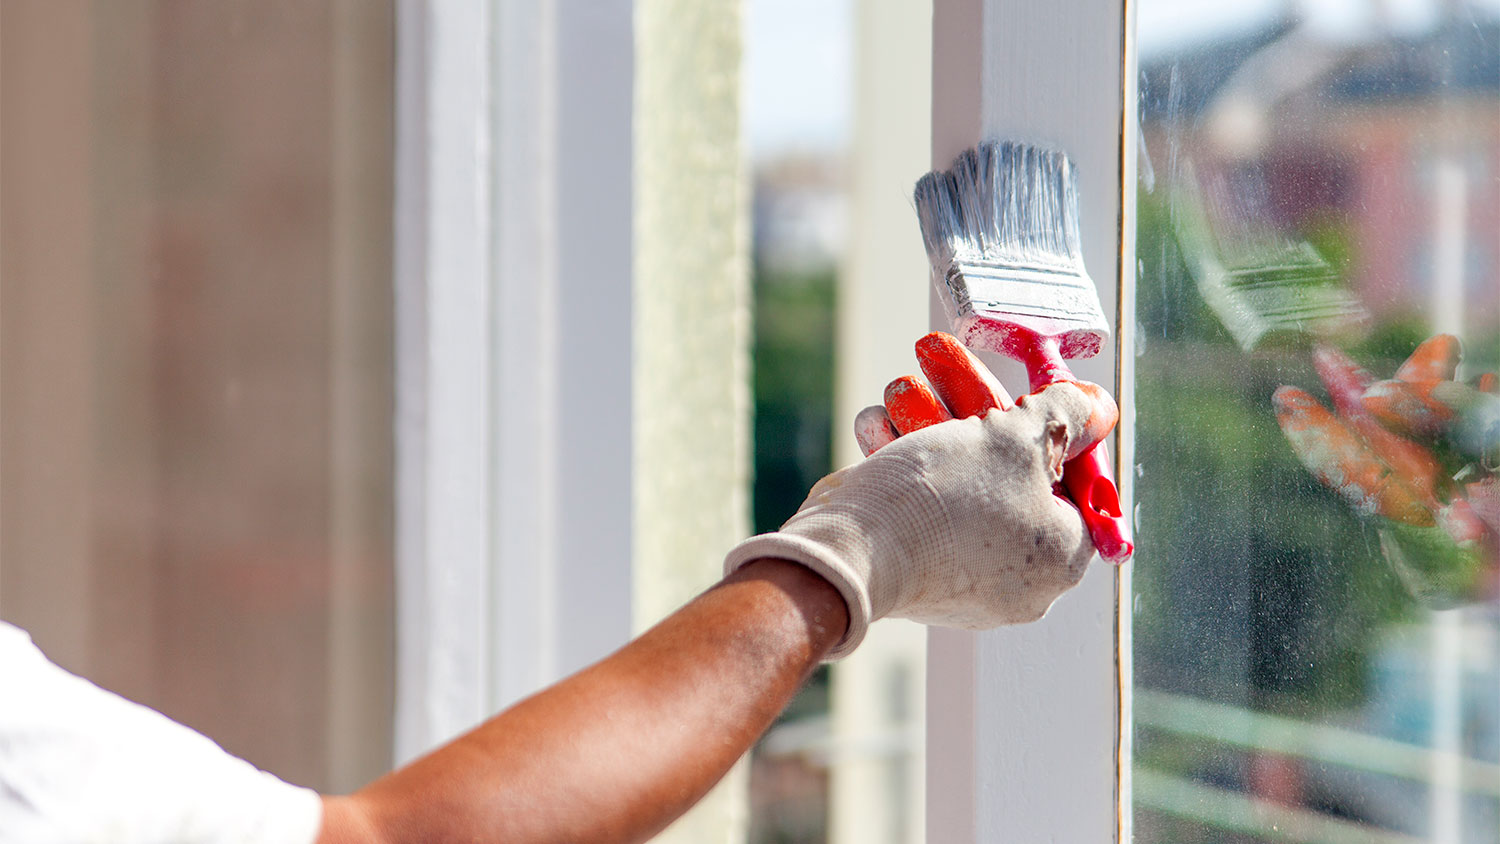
(195, 364)
(691, 384)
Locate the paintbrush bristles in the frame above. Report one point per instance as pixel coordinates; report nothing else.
(1002, 234)
(936, 208)
(1002, 203)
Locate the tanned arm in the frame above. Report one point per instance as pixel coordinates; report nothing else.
(621, 749)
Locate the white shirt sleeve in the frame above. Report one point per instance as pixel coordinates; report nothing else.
(79, 765)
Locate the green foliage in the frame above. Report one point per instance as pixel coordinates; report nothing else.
(792, 358)
(793, 363)
(1255, 585)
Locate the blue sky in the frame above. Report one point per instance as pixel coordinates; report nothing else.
(799, 57)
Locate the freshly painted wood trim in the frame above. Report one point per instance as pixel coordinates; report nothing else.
(524, 523)
(443, 418)
(514, 359)
(1024, 722)
(593, 156)
(1125, 341)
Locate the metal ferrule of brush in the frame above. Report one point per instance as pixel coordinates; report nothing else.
(1060, 301)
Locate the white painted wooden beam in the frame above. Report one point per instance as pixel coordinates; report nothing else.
(514, 224)
(593, 157)
(443, 412)
(1024, 722)
(878, 693)
(525, 341)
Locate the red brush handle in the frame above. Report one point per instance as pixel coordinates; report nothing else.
(1087, 477)
(1088, 482)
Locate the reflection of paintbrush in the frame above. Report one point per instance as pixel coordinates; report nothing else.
(1269, 290)
(1265, 288)
(1001, 230)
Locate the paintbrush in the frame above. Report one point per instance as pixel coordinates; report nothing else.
(1266, 289)
(1002, 236)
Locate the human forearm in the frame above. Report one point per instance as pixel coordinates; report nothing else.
(954, 523)
(621, 749)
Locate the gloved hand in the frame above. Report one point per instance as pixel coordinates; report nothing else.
(957, 523)
(1417, 454)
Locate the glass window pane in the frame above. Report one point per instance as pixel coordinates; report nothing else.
(1317, 590)
(195, 372)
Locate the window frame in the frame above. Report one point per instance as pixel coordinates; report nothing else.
(1028, 727)
(495, 460)
(1002, 765)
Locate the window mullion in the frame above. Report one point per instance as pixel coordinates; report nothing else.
(1024, 723)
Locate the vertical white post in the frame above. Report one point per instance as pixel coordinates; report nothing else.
(443, 285)
(594, 160)
(542, 167)
(1024, 722)
(514, 224)
(525, 518)
(1450, 222)
(561, 529)
(877, 770)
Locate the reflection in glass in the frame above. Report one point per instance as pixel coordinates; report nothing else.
(1317, 607)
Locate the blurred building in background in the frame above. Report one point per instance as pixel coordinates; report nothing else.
(1285, 657)
(1358, 139)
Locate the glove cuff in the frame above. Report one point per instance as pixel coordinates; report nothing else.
(823, 560)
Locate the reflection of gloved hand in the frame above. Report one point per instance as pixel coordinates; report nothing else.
(1418, 453)
(955, 524)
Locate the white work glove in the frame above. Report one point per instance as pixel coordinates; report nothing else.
(956, 524)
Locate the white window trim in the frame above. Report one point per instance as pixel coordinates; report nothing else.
(443, 359)
(1028, 726)
(563, 338)
(1025, 738)
(513, 257)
